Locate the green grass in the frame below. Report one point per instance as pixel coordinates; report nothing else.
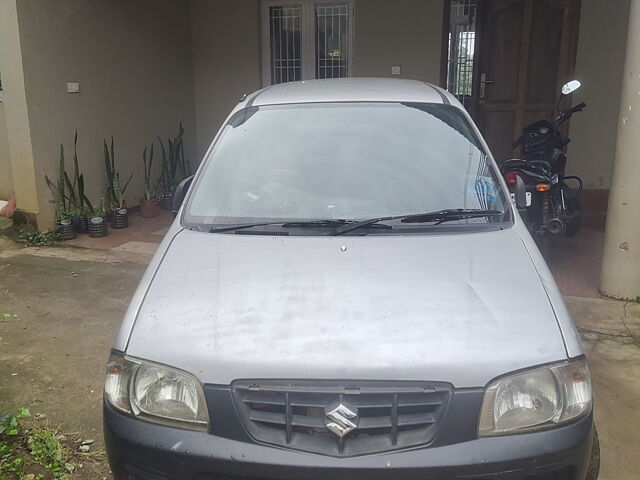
(21, 448)
(46, 449)
(38, 239)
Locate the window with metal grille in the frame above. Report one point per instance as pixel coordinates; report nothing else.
(285, 30)
(304, 39)
(462, 41)
(332, 26)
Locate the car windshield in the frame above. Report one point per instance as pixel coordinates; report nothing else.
(347, 161)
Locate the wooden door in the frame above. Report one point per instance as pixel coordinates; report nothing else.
(526, 53)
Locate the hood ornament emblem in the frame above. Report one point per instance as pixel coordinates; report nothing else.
(341, 419)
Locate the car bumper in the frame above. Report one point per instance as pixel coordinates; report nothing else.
(140, 450)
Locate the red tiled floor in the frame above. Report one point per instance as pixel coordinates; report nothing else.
(145, 230)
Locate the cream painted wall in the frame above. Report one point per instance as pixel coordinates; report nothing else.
(134, 65)
(6, 182)
(404, 33)
(227, 49)
(599, 66)
(226, 56)
(16, 114)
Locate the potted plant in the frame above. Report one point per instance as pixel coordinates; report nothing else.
(65, 227)
(149, 205)
(72, 204)
(98, 223)
(115, 192)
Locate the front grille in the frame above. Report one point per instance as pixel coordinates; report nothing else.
(387, 417)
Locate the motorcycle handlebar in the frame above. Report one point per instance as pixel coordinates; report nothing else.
(577, 108)
(570, 111)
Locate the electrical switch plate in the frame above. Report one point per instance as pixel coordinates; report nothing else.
(395, 70)
(73, 87)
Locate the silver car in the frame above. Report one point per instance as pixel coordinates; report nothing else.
(347, 292)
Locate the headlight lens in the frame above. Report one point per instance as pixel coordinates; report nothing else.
(156, 393)
(536, 399)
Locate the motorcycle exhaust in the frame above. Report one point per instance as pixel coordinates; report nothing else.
(556, 226)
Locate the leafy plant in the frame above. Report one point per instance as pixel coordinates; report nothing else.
(39, 239)
(11, 464)
(100, 212)
(115, 191)
(175, 166)
(10, 423)
(65, 215)
(149, 190)
(46, 449)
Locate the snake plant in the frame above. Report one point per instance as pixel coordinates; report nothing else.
(175, 166)
(149, 190)
(115, 191)
(69, 196)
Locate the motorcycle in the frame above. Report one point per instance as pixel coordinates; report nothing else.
(537, 181)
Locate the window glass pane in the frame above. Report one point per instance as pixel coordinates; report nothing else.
(284, 26)
(331, 40)
(462, 38)
(347, 161)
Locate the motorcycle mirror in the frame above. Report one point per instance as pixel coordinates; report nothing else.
(520, 193)
(570, 87)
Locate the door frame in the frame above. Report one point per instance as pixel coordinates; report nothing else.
(444, 49)
(307, 44)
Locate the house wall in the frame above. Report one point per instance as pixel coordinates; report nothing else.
(226, 60)
(134, 66)
(599, 66)
(404, 33)
(227, 49)
(6, 182)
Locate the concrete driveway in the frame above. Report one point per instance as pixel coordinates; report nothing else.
(66, 305)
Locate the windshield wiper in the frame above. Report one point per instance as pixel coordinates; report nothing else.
(300, 224)
(438, 217)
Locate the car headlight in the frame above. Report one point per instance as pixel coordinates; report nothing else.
(536, 399)
(156, 393)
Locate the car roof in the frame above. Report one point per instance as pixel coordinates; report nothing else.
(349, 90)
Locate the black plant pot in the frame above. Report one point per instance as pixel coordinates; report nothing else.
(80, 224)
(67, 231)
(119, 218)
(166, 200)
(97, 227)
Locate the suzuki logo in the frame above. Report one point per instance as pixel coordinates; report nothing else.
(339, 420)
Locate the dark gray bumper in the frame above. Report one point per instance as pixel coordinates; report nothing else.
(141, 450)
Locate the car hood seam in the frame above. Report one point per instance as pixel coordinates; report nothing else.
(553, 308)
(148, 287)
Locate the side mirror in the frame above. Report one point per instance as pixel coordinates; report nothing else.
(570, 87)
(520, 193)
(180, 192)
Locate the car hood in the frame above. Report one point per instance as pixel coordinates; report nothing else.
(460, 308)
